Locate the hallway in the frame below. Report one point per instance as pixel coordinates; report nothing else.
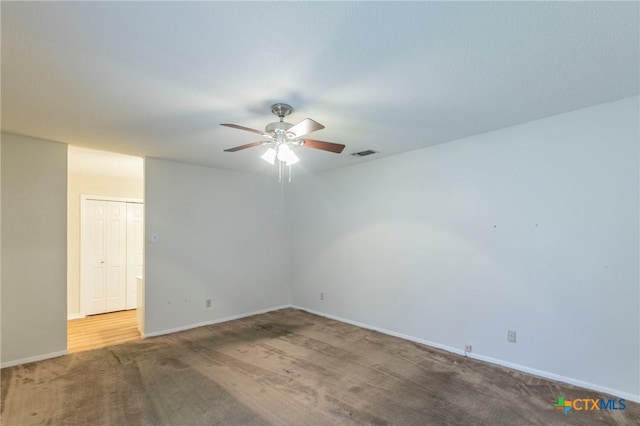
(98, 331)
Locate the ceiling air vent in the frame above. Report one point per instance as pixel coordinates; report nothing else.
(364, 153)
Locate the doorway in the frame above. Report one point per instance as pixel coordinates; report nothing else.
(98, 331)
(106, 176)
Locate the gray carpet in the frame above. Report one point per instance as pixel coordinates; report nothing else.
(286, 367)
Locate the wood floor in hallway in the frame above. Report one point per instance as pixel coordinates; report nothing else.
(98, 331)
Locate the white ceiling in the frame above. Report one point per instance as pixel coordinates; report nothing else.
(157, 78)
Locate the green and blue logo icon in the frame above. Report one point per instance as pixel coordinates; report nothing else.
(589, 404)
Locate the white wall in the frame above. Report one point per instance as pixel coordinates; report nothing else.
(93, 172)
(34, 219)
(532, 228)
(220, 238)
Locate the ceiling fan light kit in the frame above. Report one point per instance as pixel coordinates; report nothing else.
(283, 137)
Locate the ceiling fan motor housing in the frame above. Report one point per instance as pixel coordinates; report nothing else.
(278, 127)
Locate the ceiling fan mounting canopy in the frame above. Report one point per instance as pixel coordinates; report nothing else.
(281, 110)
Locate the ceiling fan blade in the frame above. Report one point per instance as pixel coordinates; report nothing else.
(305, 127)
(249, 145)
(235, 126)
(325, 146)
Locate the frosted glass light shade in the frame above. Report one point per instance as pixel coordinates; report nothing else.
(293, 158)
(269, 156)
(286, 155)
(284, 152)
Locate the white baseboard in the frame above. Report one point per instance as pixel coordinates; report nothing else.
(215, 321)
(545, 374)
(75, 316)
(558, 378)
(33, 359)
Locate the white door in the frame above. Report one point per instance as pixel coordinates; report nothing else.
(103, 272)
(135, 254)
(93, 272)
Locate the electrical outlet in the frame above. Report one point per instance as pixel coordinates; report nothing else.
(207, 303)
(321, 295)
(511, 336)
(467, 348)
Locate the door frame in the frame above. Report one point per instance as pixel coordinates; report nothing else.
(84, 302)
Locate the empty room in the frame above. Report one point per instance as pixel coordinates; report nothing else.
(351, 213)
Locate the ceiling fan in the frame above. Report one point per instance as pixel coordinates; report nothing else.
(283, 137)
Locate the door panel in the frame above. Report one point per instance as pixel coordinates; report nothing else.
(93, 251)
(98, 288)
(135, 250)
(116, 255)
